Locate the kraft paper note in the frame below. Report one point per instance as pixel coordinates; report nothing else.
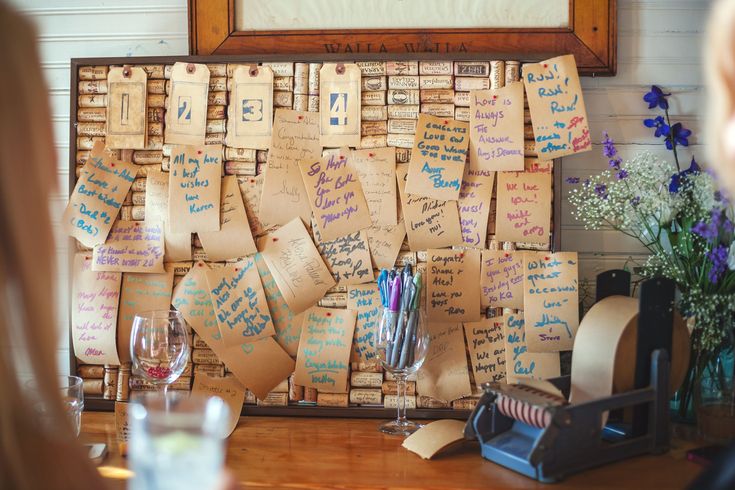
(376, 169)
(186, 117)
(234, 238)
(228, 388)
(347, 257)
(178, 245)
(250, 112)
(453, 290)
(324, 351)
(194, 188)
(299, 271)
(365, 301)
(438, 158)
(551, 300)
(385, 244)
(339, 104)
(95, 299)
(560, 124)
(132, 246)
(486, 345)
(475, 196)
(260, 366)
(524, 207)
(501, 279)
(444, 374)
(192, 298)
(519, 362)
(496, 128)
(95, 203)
(127, 122)
(434, 437)
(251, 189)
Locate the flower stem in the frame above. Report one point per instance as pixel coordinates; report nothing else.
(673, 142)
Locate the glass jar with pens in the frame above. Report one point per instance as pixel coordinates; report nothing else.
(402, 339)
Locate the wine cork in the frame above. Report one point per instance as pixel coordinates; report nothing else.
(360, 379)
(91, 114)
(391, 387)
(155, 71)
(93, 72)
(472, 69)
(373, 128)
(437, 96)
(403, 96)
(467, 403)
(156, 87)
(209, 370)
(301, 79)
(403, 111)
(512, 71)
(110, 383)
(92, 87)
(333, 399)
(274, 400)
(423, 401)
(436, 82)
(469, 83)
(366, 396)
(402, 126)
(310, 394)
(405, 82)
(497, 74)
(379, 83)
(93, 387)
(90, 371)
(402, 68)
(371, 68)
(438, 110)
(295, 392)
(435, 67)
(391, 401)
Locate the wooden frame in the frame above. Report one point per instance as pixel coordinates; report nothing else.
(591, 37)
(99, 404)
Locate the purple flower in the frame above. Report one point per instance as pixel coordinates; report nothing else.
(678, 179)
(622, 174)
(635, 201)
(572, 180)
(718, 257)
(608, 146)
(662, 129)
(679, 135)
(708, 231)
(656, 97)
(601, 191)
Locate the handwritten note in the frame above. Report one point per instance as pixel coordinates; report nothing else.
(251, 189)
(524, 207)
(376, 169)
(501, 279)
(132, 246)
(192, 298)
(194, 188)
(239, 302)
(178, 245)
(365, 300)
(444, 374)
(335, 195)
(324, 351)
(487, 350)
(474, 206)
(560, 124)
(429, 223)
(295, 138)
(97, 197)
(228, 388)
(234, 238)
(551, 302)
(286, 322)
(496, 128)
(438, 158)
(453, 290)
(347, 257)
(260, 366)
(519, 362)
(95, 297)
(139, 293)
(298, 269)
(385, 244)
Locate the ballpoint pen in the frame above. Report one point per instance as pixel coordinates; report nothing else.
(382, 278)
(392, 314)
(401, 331)
(410, 339)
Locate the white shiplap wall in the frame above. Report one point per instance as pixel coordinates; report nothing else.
(659, 42)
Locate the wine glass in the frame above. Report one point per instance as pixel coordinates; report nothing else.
(159, 346)
(402, 344)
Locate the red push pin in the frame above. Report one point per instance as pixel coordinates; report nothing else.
(87, 257)
(201, 265)
(237, 269)
(495, 96)
(252, 181)
(112, 165)
(341, 157)
(329, 313)
(275, 239)
(199, 152)
(461, 255)
(371, 155)
(299, 117)
(545, 65)
(446, 122)
(507, 254)
(546, 258)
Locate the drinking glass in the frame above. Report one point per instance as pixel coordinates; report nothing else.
(159, 346)
(177, 441)
(402, 344)
(72, 395)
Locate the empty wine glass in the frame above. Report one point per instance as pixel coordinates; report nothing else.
(159, 346)
(402, 345)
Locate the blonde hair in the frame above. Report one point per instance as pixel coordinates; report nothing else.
(720, 74)
(32, 455)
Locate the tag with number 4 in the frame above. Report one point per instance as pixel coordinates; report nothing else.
(339, 89)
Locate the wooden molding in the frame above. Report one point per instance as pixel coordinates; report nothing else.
(591, 38)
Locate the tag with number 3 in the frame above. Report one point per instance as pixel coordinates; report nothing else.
(250, 118)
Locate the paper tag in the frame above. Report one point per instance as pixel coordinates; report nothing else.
(186, 117)
(194, 188)
(250, 112)
(324, 351)
(453, 290)
(132, 246)
(444, 374)
(339, 104)
(519, 362)
(286, 322)
(365, 301)
(228, 388)
(299, 271)
(551, 300)
(251, 189)
(192, 298)
(496, 128)
(429, 223)
(376, 169)
(260, 366)
(295, 138)
(560, 124)
(486, 347)
(347, 257)
(524, 207)
(432, 438)
(475, 196)
(438, 158)
(127, 123)
(385, 244)
(239, 303)
(140, 293)
(95, 298)
(501, 279)
(97, 197)
(335, 195)
(234, 238)
(178, 245)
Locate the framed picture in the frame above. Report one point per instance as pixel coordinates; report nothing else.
(528, 30)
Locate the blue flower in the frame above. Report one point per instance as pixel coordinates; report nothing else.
(608, 146)
(679, 134)
(708, 231)
(656, 97)
(678, 178)
(718, 256)
(662, 129)
(572, 180)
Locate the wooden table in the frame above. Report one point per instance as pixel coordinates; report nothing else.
(273, 452)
